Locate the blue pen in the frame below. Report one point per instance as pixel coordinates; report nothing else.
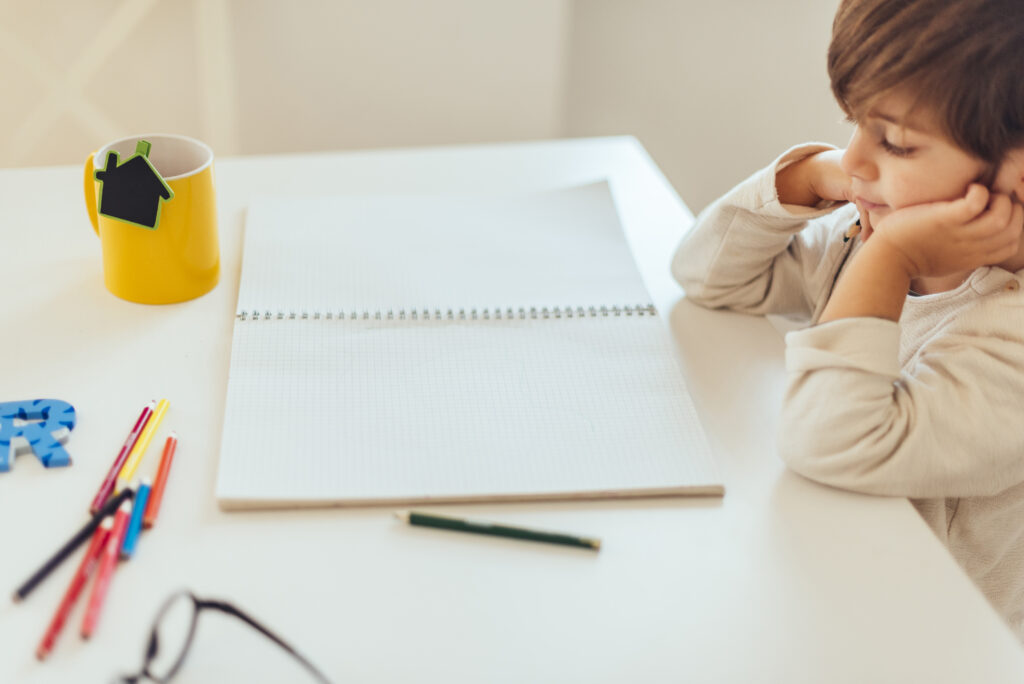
(131, 535)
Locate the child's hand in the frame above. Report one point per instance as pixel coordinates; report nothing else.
(813, 179)
(943, 238)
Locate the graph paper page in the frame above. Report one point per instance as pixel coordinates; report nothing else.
(401, 411)
(361, 254)
(441, 348)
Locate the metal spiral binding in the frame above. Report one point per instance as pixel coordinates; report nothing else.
(487, 314)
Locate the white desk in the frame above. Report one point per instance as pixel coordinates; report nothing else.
(781, 581)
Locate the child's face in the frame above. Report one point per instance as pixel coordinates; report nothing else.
(897, 160)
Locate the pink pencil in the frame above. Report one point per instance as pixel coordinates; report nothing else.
(108, 562)
(107, 488)
(85, 568)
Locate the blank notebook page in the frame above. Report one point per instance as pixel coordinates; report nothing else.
(380, 253)
(358, 399)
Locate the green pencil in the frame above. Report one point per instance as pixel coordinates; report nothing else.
(480, 527)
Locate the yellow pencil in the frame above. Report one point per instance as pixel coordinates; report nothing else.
(124, 479)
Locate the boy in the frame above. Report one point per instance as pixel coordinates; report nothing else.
(910, 381)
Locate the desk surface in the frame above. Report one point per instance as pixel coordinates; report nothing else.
(782, 580)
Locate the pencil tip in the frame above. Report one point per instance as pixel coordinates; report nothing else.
(16, 597)
(402, 515)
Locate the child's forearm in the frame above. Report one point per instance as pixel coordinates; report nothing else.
(748, 252)
(793, 184)
(814, 180)
(874, 285)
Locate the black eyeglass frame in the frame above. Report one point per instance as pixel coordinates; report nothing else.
(198, 605)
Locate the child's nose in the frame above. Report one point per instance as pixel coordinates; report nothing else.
(855, 161)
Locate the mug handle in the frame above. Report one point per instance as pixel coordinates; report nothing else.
(90, 193)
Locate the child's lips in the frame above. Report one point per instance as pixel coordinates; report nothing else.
(869, 205)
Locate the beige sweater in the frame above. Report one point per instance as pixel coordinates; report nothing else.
(930, 408)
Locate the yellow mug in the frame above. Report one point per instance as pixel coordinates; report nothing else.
(156, 217)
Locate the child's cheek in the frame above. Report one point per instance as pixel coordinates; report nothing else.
(902, 195)
(940, 185)
(916, 186)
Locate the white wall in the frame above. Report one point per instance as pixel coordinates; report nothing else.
(713, 89)
(253, 76)
(385, 73)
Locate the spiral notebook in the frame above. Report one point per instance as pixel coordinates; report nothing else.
(412, 349)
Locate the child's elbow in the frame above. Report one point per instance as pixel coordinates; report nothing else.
(846, 451)
(705, 286)
(690, 271)
(814, 455)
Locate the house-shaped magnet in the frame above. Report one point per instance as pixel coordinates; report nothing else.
(133, 191)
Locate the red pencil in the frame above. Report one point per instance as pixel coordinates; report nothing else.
(108, 562)
(157, 493)
(92, 555)
(107, 488)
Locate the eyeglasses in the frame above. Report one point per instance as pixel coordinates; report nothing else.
(172, 632)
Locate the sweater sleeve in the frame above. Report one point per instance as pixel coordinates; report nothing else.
(947, 425)
(749, 252)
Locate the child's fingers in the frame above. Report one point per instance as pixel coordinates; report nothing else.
(995, 219)
(999, 253)
(1004, 242)
(1000, 207)
(1015, 227)
(832, 183)
(865, 221)
(971, 204)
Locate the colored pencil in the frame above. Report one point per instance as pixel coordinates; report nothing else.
(107, 488)
(108, 563)
(135, 458)
(131, 535)
(63, 552)
(157, 494)
(480, 527)
(85, 568)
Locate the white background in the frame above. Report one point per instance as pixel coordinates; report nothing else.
(714, 90)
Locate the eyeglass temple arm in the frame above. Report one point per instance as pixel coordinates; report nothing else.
(231, 610)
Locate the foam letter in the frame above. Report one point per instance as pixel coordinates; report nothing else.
(38, 425)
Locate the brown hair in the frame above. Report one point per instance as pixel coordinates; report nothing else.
(964, 59)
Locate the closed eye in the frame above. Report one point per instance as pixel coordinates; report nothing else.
(895, 150)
